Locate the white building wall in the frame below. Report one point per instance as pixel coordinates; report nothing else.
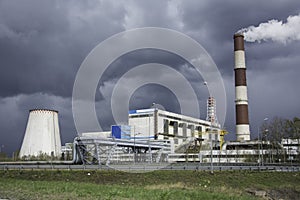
(141, 124)
(160, 127)
(188, 132)
(142, 127)
(103, 134)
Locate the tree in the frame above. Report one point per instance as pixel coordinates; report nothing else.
(3, 156)
(274, 130)
(278, 129)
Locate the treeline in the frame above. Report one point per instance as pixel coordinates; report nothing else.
(278, 128)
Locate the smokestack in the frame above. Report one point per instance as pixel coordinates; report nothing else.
(241, 98)
(42, 134)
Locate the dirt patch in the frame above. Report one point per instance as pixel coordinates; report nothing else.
(258, 193)
(286, 194)
(275, 194)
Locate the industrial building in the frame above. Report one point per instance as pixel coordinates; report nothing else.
(154, 135)
(292, 148)
(161, 124)
(184, 138)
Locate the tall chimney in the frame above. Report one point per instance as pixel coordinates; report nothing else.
(241, 98)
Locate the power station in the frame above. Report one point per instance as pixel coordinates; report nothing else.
(153, 135)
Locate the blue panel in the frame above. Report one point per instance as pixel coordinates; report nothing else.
(125, 132)
(132, 111)
(121, 131)
(116, 131)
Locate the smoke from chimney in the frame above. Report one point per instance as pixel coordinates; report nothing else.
(274, 30)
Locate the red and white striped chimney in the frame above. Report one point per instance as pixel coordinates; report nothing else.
(241, 98)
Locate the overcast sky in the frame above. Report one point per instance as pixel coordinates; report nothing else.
(43, 43)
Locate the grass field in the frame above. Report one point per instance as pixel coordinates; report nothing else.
(58, 184)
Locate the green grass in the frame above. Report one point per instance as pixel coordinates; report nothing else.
(55, 184)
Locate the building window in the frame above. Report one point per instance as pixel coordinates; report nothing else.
(183, 126)
(166, 126)
(175, 127)
(192, 127)
(199, 131)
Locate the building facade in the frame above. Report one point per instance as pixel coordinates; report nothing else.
(163, 125)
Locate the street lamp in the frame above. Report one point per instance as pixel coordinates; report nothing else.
(266, 139)
(134, 150)
(149, 130)
(260, 145)
(211, 151)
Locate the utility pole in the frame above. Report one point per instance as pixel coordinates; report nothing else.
(211, 157)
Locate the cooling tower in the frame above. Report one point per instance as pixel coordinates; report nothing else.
(241, 97)
(42, 134)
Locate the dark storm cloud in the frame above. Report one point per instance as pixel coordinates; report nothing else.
(43, 43)
(213, 23)
(134, 59)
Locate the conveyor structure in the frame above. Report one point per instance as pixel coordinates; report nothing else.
(104, 151)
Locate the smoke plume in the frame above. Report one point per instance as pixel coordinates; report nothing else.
(274, 30)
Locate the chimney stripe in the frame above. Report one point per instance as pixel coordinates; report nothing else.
(239, 59)
(241, 97)
(240, 77)
(242, 112)
(238, 42)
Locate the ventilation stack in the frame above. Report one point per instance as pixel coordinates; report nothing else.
(42, 134)
(241, 98)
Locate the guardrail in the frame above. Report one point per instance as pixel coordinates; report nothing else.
(146, 167)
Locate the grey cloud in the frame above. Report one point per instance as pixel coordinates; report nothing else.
(46, 43)
(43, 43)
(152, 13)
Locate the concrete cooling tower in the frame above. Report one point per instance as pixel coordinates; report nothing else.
(42, 134)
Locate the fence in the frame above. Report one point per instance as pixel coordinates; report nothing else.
(150, 167)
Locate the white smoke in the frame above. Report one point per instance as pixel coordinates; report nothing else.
(274, 30)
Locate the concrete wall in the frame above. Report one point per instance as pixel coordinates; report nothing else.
(169, 125)
(42, 134)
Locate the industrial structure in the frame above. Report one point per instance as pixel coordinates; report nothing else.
(177, 138)
(154, 135)
(241, 97)
(42, 135)
(161, 124)
(211, 110)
